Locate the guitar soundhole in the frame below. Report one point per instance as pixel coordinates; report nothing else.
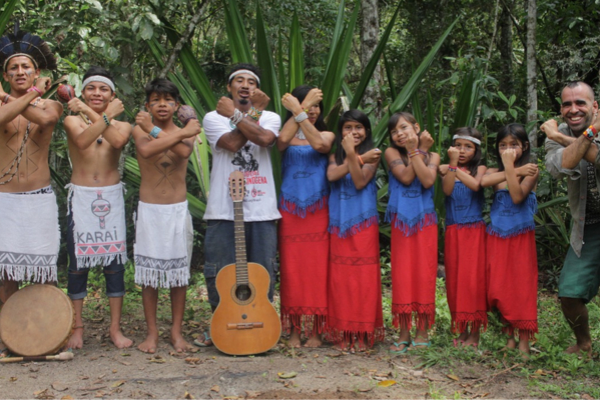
(244, 293)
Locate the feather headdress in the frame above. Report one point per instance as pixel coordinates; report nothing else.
(26, 44)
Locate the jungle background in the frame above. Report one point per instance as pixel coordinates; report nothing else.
(451, 63)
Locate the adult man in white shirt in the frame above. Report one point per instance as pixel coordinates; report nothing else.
(241, 133)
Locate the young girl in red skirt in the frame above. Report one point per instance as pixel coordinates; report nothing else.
(354, 293)
(303, 235)
(511, 264)
(411, 212)
(464, 250)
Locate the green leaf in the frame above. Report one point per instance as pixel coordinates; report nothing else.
(83, 31)
(146, 30)
(9, 7)
(95, 3)
(236, 34)
(268, 83)
(296, 56)
(152, 17)
(400, 102)
(336, 67)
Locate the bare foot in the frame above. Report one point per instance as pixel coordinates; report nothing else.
(294, 341)
(119, 340)
(180, 344)
(76, 339)
(462, 338)
(345, 347)
(149, 345)
(576, 349)
(314, 341)
(511, 343)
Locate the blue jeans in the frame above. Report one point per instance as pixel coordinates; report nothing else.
(77, 280)
(219, 251)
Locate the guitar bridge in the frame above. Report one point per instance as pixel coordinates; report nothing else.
(246, 325)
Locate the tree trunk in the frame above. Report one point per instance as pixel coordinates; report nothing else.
(369, 37)
(531, 70)
(506, 50)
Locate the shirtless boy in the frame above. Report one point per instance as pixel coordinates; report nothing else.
(96, 219)
(164, 234)
(30, 237)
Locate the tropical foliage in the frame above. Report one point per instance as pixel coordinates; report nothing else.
(460, 64)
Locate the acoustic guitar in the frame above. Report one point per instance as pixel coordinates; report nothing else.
(245, 322)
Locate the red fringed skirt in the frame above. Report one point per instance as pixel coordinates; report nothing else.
(304, 259)
(464, 260)
(355, 288)
(414, 272)
(512, 278)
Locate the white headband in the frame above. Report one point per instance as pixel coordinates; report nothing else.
(469, 138)
(20, 55)
(99, 78)
(244, 71)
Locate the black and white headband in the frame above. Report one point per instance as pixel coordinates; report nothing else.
(469, 138)
(99, 78)
(244, 71)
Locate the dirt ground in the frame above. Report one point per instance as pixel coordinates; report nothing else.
(101, 371)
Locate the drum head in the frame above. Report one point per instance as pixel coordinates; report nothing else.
(36, 321)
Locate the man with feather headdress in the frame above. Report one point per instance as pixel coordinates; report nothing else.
(30, 237)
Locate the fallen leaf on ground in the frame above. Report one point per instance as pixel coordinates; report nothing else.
(192, 360)
(99, 393)
(117, 384)
(125, 355)
(453, 377)
(67, 397)
(287, 375)
(365, 390)
(251, 394)
(215, 388)
(386, 383)
(13, 378)
(43, 394)
(158, 360)
(186, 395)
(125, 362)
(586, 396)
(61, 387)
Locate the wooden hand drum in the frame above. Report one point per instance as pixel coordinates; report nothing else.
(36, 321)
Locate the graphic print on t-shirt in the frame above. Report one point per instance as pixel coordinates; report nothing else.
(244, 159)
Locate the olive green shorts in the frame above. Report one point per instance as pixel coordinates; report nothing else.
(580, 276)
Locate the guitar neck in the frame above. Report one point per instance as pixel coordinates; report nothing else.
(241, 262)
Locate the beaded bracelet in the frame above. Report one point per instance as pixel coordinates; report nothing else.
(301, 117)
(451, 168)
(237, 117)
(35, 102)
(155, 131)
(361, 160)
(31, 89)
(105, 118)
(414, 153)
(590, 133)
(254, 113)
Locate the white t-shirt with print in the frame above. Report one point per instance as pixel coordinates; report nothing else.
(260, 201)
